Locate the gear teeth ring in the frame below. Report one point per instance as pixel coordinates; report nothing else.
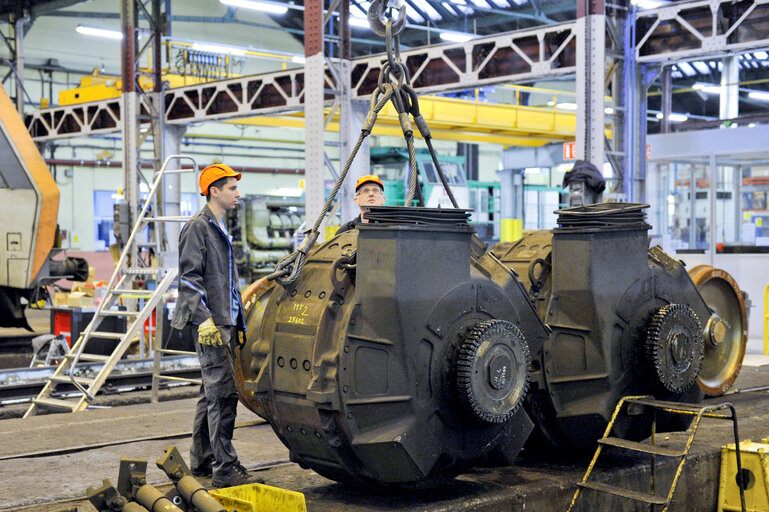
(675, 347)
(490, 400)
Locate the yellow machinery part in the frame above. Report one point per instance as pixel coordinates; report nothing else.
(96, 87)
(32, 160)
(755, 469)
(512, 230)
(259, 498)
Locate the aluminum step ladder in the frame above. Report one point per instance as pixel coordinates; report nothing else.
(636, 405)
(118, 289)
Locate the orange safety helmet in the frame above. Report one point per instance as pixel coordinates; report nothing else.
(214, 172)
(369, 178)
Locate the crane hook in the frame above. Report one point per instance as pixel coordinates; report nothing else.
(377, 20)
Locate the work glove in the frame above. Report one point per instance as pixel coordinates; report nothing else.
(241, 338)
(208, 334)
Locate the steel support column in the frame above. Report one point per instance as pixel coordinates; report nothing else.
(130, 119)
(313, 111)
(172, 193)
(591, 37)
(351, 116)
(667, 99)
(18, 32)
(730, 97)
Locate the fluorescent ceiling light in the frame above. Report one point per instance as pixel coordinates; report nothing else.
(218, 48)
(701, 67)
(649, 4)
(712, 89)
(456, 37)
(358, 22)
(760, 55)
(676, 118)
(758, 95)
(270, 7)
(99, 32)
(608, 110)
(298, 59)
(564, 105)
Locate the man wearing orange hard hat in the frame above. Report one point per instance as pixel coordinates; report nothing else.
(209, 299)
(369, 191)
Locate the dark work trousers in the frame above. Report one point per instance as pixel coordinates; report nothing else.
(216, 408)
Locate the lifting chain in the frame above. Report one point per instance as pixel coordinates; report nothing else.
(397, 89)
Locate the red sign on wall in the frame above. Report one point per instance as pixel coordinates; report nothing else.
(569, 150)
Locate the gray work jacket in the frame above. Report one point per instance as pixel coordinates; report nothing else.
(207, 274)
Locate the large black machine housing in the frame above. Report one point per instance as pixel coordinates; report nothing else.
(406, 353)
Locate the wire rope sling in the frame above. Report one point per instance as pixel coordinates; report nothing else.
(394, 86)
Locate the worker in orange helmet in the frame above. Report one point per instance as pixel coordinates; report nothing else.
(369, 191)
(209, 299)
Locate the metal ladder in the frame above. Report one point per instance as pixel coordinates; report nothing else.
(638, 405)
(119, 287)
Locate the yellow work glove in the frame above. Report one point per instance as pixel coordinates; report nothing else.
(241, 338)
(208, 334)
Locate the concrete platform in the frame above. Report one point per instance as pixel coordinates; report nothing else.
(89, 446)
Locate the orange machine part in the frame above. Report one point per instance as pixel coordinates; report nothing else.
(39, 173)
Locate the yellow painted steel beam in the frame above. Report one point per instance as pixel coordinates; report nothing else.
(462, 120)
(393, 129)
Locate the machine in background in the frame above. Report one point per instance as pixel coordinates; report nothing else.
(262, 229)
(391, 164)
(29, 206)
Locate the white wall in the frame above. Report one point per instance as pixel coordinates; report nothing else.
(752, 275)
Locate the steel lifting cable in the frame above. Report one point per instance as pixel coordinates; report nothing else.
(288, 269)
(405, 101)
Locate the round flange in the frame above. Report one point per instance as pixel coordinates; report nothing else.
(675, 346)
(492, 374)
(726, 332)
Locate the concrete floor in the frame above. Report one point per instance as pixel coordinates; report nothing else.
(90, 446)
(542, 481)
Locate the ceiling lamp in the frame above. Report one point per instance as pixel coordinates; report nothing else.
(99, 32)
(759, 95)
(676, 118)
(218, 48)
(649, 4)
(269, 7)
(712, 89)
(456, 37)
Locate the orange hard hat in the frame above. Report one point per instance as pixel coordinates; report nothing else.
(214, 172)
(369, 178)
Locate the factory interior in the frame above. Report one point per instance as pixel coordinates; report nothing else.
(418, 255)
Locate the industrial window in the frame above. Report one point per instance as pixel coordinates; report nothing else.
(103, 219)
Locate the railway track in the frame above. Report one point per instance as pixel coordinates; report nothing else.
(20, 385)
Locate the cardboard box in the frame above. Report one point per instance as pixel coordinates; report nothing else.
(79, 300)
(60, 299)
(83, 288)
(91, 274)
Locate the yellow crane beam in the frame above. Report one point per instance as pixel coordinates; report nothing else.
(460, 120)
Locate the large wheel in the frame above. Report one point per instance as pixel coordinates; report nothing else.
(726, 333)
